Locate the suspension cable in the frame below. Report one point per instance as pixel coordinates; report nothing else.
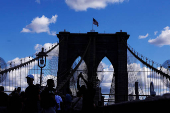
(25, 63)
(72, 71)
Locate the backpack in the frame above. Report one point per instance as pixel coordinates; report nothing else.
(73, 106)
(48, 98)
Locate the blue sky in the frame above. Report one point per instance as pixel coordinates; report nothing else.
(136, 17)
(24, 24)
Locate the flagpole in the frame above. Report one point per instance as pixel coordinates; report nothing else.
(92, 25)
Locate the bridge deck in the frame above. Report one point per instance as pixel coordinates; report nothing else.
(152, 105)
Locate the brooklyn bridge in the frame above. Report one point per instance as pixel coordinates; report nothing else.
(138, 82)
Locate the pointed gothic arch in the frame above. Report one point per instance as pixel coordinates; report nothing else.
(107, 79)
(114, 46)
(73, 81)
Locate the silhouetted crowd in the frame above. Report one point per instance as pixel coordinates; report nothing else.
(47, 100)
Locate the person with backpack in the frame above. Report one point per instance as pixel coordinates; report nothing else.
(77, 103)
(59, 101)
(67, 101)
(48, 102)
(88, 94)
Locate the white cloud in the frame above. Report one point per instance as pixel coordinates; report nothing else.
(38, 1)
(83, 5)
(106, 76)
(141, 36)
(16, 78)
(25, 30)
(155, 32)
(162, 39)
(48, 46)
(39, 25)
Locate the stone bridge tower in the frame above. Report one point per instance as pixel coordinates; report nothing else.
(112, 46)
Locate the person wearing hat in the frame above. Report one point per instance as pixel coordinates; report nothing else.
(32, 96)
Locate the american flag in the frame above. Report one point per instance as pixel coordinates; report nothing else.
(95, 22)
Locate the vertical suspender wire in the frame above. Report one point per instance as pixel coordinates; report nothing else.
(147, 80)
(9, 82)
(160, 87)
(26, 71)
(25, 74)
(29, 68)
(168, 84)
(5, 79)
(168, 81)
(145, 73)
(159, 81)
(164, 84)
(154, 77)
(12, 79)
(34, 69)
(2, 78)
(160, 84)
(23, 77)
(15, 77)
(156, 83)
(37, 73)
(20, 72)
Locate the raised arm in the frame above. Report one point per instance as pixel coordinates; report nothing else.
(78, 86)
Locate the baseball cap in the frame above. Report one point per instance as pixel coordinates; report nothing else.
(30, 76)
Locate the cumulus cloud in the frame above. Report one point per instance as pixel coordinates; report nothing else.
(141, 36)
(48, 46)
(106, 77)
(83, 5)
(16, 78)
(162, 39)
(40, 25)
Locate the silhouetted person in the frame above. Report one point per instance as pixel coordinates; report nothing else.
(3, 100)
(88, 94)
(18, 90)
(59, 101)
(15, 103)
(68, 100)
(38, 103)
(48, 101)
(31, 95)
(77, 103)
(13, 92)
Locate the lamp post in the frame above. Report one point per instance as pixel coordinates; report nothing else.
(41, 57)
